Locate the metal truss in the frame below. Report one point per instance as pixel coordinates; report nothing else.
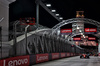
(73, 20)
(43, 42)
(39, 2)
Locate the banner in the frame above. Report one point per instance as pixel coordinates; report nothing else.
(77, 39)
(90, 29)
(16, 61)
(55, 56)
(71, 54)
(91, 38)
(99, 54)
(63, 55)
(66, 30)
(1, 62)
(42, 58)
(68, 54)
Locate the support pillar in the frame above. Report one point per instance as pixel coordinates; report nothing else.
(4, 24)
(4, 13)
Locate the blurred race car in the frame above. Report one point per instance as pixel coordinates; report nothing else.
(84, 56)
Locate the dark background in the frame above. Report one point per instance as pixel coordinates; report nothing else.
(66, 8)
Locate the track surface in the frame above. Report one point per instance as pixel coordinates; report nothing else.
(73, 61)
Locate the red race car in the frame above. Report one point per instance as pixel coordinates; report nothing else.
(84, 56)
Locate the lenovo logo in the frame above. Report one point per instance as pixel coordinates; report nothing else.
(18, 62)
(42, 58)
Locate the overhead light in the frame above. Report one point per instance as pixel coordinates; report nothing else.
(80, 31)
(83, 35)
(78, 27)
(60, 18)
(63, 21)
(57, 14)
(48, 5)
(53, 10)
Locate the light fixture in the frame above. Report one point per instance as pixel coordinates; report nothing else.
(60, 18)
(57, 14)
(53, 10)
(48, 5)
(83, 35)
(78, 27)
(80, 31)
(63, 21)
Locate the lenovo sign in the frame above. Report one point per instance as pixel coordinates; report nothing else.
(90, 29)
(42, 58)
(66, 30)
(99, 54)
(17, 61)
(77, 38)
(68, 54)
(55, 56)
(63, 55)
(71, 54)
(91, 38)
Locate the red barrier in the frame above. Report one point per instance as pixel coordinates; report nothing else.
(74, 54)
(42, 57)
(99, 54)
(66, 30)
(63, 55)
(55, 56)
(68, 54)
(16, 61)
(71, 54)
(1, 62)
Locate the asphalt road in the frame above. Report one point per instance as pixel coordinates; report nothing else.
(72, 61)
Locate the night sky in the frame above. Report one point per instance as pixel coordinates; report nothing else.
(66, 8)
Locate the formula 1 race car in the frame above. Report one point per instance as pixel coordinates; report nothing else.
(84, 56)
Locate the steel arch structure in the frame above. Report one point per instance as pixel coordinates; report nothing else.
(73, 20)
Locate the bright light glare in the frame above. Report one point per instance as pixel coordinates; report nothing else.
(84, 36)
(80, 31)
(60, 18)
(57, 14)
(78, 27)
(48, 5)
(53, 10)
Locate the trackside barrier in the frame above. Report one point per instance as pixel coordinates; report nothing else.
(72, 54)
(63, 55)
(55, 56)
(1, 62)
(68, 55)
(99, 54)
(33, 59)
(15, 61)
(42, 58)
